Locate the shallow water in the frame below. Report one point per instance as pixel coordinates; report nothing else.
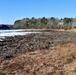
(4, 33)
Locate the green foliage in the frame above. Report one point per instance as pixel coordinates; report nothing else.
(67, 28)
(44, 22)
(17, 21)
(68, 23)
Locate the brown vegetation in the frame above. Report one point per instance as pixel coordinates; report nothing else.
(59, 59)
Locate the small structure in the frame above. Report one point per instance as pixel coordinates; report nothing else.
(61, 25)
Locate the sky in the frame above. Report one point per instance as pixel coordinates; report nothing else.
(11, 10)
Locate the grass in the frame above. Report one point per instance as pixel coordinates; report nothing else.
(56, 60)
(61, 58)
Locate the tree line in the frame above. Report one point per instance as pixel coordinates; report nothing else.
(39, 23)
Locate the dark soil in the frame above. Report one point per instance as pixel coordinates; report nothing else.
(46, 53)
(22, 44)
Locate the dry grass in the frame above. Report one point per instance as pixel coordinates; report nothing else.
(72, 30)
(59, 60)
